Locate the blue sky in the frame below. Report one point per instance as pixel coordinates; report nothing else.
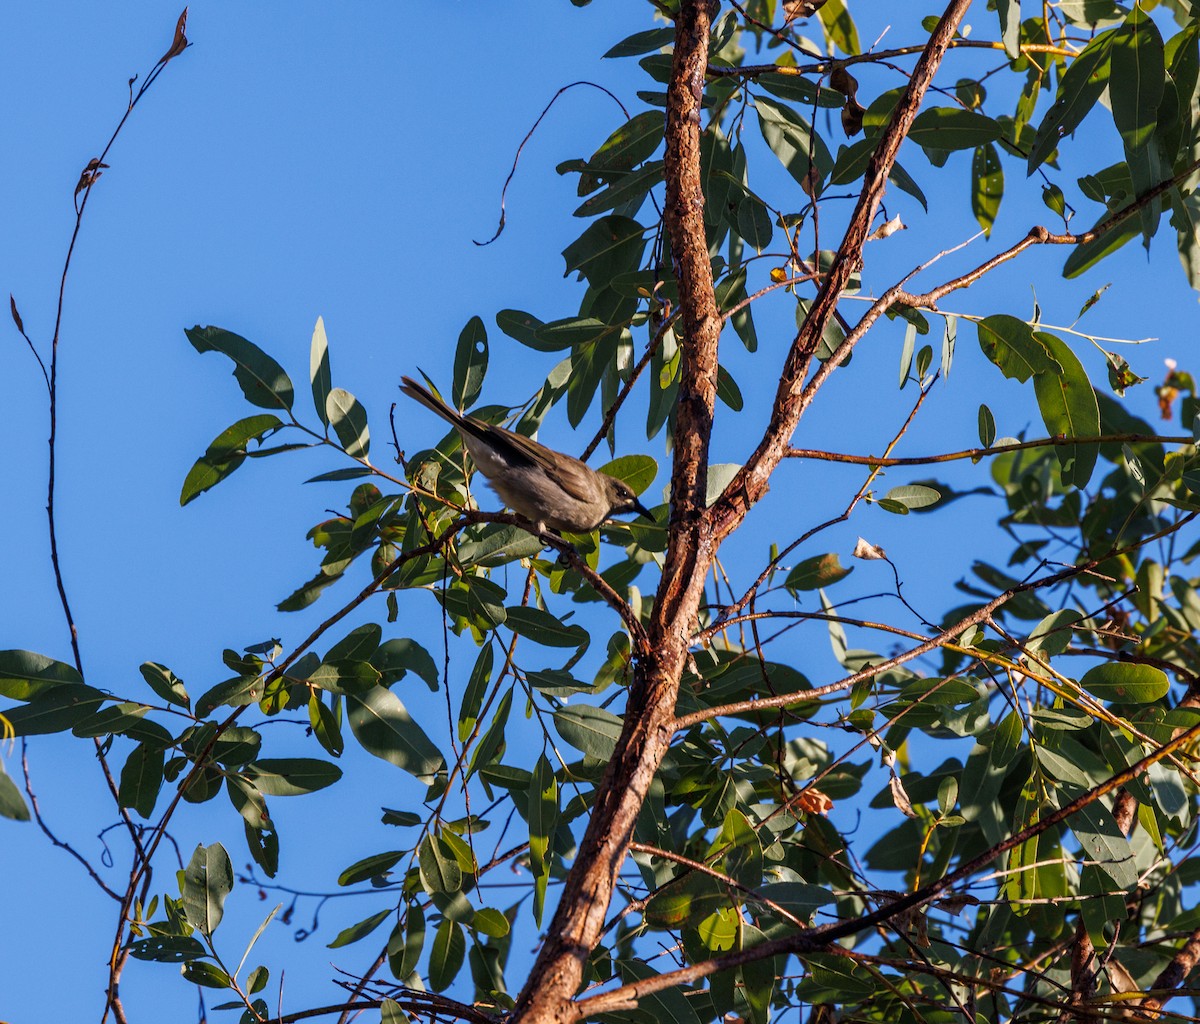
(337, 161)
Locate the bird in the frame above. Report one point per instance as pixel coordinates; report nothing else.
(554, 490)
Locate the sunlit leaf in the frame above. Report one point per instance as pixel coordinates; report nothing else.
(262, 380)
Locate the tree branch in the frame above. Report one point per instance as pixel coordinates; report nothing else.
(791, 397)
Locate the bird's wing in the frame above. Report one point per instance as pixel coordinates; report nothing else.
(575, 477)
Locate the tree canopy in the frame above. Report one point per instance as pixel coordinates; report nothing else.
(731, 759)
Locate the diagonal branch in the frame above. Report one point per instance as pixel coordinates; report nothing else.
(791, 397)
(979, 453)
(813, 939)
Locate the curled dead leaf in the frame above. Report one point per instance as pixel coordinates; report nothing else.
(12, 305)
(813, 801)
(889, 227)
(793, 9)
(90, 174)
(852, 117)
(866, 550)
(900, 797)
(844, 82)
(180, 42)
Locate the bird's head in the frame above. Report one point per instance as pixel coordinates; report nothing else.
(621, 498)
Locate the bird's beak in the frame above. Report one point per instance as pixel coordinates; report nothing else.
(642, 511)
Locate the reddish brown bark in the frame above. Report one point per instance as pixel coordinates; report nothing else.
(695, 531)
(649, 722)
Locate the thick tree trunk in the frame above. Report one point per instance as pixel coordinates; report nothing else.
(650, 712)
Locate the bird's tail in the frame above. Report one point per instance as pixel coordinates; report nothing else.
(428, 399)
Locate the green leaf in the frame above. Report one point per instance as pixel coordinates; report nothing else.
(165, 683)
(440, 871)
(1010, 26)
(142, 778)
(1126, 683)
(610, 246)
(543, 820)
(987, 426)
(800, 898)
(1013, 346)
(1068, 407)
(759, 978)
(495, 544)
(258, 978)
(226, 453)
(987, 186)
(1138, 78)
(791, 138)
(491, 922)
(343, 676)
(169, 949)
(292, 776)
(378, 865)
(349, 421)
(630, 187)
(55, 710)
(401, 655)
(786, 83)
(383, 726)
(261, 379)
(573, 332)
(719, 476)
(319, 372)
(12, 804)
(728, 391)
(404, 947)
(236, 692)
(589, 729)
(361, 929)
(491, 747)
(839, 26)
(914, 496)
(642, 42)
(472, 699)
(24, 674)
(669, 1004)
(816, 572)
(638, 471)
(446, 956)
(953, 128)
(1087, 254)
(1006, 740)
(624, 149)
(470, 363)
(1081, 86)
(843, 978)
(543, 628)
(1102, 840)
(326, 723)
(523, 327)
(201, 972)
(207, 880)
(1052, 635)
(755, 222)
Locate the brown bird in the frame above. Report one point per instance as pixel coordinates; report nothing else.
(553, 489)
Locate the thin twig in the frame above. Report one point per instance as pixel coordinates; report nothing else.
(528, 136)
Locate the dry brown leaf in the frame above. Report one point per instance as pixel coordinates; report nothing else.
(179, 43)
(886, 228)
(814, 801)
(793, 9)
